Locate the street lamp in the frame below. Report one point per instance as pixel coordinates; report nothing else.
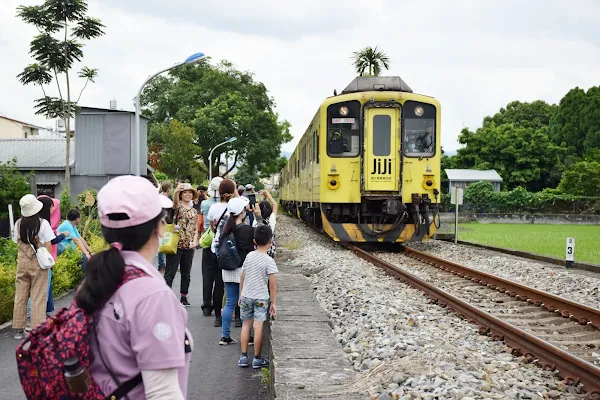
(231, 139)
(191, 59)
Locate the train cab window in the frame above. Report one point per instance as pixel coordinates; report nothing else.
(343, 129)
(382, 135)
(419, 129)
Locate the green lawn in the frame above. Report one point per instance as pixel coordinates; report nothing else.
(548, 240)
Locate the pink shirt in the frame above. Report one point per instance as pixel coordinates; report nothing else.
(141, 327)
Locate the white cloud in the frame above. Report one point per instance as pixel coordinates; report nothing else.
(473, 56)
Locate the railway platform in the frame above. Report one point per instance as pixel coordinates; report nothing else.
(308, 363)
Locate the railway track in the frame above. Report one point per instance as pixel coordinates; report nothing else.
(555, 333)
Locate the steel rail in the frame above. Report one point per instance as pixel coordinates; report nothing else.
(584, 315)
(569, 367)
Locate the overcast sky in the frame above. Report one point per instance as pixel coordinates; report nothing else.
(473, 56)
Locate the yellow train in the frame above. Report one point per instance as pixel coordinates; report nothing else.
(367, 169)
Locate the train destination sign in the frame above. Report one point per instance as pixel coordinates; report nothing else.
(342, 120)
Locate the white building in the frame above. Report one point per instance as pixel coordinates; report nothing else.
(462, 178)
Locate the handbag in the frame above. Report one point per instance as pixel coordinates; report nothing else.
(170, 241)
(208, 235)
(44, 257)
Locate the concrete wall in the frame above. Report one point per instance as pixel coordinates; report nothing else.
(79, 183)
(448, 218)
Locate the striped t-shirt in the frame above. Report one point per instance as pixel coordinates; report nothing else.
(257, 268)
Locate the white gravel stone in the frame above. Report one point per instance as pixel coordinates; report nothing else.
(576, 285)
(395, 337)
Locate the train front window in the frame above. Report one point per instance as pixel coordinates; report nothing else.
(419, 129)
(343, 129)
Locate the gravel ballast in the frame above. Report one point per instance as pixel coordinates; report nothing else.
(402, 346)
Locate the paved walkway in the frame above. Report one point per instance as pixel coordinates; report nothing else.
(214, 373)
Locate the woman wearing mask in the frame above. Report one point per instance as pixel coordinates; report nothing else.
(244, 242)
(141, 326)
(185, 217)
(31, 232)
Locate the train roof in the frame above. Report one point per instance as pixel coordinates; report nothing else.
(377, 83)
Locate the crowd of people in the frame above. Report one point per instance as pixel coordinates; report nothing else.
(137, 325)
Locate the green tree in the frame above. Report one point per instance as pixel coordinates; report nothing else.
(177, 148)
(370, 61)
(62, 25)
(522, 156)
(13, 186)
(576, 122)
(581, 179)
(248, 175)
(220, 102)
(536, 115)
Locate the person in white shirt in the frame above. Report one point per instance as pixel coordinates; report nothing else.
(268, 216)
(31, 233)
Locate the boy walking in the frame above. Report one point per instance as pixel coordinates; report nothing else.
(257, 281)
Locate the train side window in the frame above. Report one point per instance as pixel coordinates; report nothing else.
(317, 147)
(419, 129)
(298, 169)
(343, 129)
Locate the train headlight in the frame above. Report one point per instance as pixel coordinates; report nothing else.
(343, 111)
(419, 111)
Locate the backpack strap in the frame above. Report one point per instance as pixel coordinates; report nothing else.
(125, 388)
(219, 221)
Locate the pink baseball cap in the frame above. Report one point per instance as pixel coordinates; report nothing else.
(132, 196)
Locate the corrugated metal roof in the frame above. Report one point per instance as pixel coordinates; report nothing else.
(469, 175)
(36, 153)
(21, 122)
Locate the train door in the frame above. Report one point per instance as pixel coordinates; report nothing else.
(381, 149)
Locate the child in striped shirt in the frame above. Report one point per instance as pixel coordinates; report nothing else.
(257, 281)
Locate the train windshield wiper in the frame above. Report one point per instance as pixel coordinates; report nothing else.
(430, 148)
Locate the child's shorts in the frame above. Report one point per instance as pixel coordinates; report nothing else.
(255, 309)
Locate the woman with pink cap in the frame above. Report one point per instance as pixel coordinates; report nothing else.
(140, 327)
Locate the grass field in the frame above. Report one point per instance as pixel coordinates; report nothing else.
(548, 240)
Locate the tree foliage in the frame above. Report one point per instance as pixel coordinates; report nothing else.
(522, 156)
(220, 102)
(176, 148)
(581, 179)
(576, 122)
(62, 25)
(13, 186)
(535, 115)
(370, 61)
(247, 174)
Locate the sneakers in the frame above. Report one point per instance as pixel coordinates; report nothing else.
(251, 341)
(218, 321)
(258, 363)
(227, 340)
(244, 361)
(207, 311)
(238, 322)
(19, 335)
(184, 301)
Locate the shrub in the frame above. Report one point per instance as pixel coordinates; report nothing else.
(65, 202)
(13, 186)
(7, 291)
(8, 251)
(83, 207)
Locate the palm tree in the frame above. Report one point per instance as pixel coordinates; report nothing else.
(370, 60)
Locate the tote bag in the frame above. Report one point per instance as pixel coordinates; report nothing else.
(208, 235)
(169, 242)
